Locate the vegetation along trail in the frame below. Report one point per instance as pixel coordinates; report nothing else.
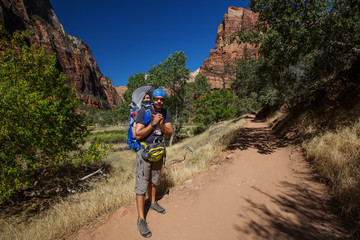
(260, 188)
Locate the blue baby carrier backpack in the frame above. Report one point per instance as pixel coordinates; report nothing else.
(135, 105)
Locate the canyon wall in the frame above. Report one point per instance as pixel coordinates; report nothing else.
(74, 57)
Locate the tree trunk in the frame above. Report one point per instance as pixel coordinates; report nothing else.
(171, 138)
(174, 126)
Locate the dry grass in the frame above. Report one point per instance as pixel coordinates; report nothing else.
(336, 156)
(274, 118)
(82, 209)
(206, 145)
(78, 209)
(332, 146)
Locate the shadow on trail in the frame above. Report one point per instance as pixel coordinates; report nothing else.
(301, 212)
(261, 139)
(304, 215)
(159, 195)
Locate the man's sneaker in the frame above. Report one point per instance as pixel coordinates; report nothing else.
(157, 208)
(143, 228)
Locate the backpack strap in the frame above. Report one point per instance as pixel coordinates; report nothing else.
(147, 116)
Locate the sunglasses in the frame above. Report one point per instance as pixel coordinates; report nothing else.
(157, 99)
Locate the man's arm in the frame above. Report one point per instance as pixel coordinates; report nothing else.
(142, 131)
(167, 129)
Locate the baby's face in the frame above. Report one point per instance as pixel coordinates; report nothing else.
(146, 99)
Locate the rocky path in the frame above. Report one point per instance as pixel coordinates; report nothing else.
(263, 189)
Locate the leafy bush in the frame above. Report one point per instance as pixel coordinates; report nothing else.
(215, 107)
(252, 86)
(107, 117)
(93, 154)
(39, 125)
(200, 129)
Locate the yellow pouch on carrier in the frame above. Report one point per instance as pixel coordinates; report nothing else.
(153, 152)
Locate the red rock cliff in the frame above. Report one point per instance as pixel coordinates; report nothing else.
(224, 55)
(74, 56)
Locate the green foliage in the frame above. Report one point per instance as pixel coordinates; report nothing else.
(248, 103)
(122, 112)
(114, 136)
(301, 44)
(93, 154)
(252, 86)
(107, 117)
(200, 129)
(199, 87)
(171, 73)
(39, 126)
(297, 28)
(215, 107)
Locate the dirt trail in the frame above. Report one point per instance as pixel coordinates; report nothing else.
(263, 190)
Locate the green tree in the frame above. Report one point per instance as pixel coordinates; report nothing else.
(251, 84)
(39, 125)
(301, 44)
(122, 112)
(294, 29)
(215, 107)
(173, 75)
(194, 90)
(199, 87)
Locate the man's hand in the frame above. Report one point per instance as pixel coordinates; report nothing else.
(158, 118)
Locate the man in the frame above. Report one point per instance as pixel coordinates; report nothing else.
(148, 173)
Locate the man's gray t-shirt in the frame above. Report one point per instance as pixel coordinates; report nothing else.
(157, 133)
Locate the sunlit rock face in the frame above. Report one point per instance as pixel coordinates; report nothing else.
(121, 90)
(74, 57)
(220, 60)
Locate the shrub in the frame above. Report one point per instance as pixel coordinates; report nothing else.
(215, 107)
(39, 126)
(200, 129)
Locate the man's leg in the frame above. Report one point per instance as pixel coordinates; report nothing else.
(140, 202)
(142, 182)
(152, 193)
(155, 178)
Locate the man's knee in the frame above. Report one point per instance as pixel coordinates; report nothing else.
(140, 190)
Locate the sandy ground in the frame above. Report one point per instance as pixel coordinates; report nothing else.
(262, 189)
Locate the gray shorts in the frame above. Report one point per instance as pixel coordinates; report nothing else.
(146, 172)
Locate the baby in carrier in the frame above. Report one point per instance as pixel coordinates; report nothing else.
(146, 102)
(141, 98)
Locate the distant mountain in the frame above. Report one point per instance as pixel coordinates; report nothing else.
(74, 56)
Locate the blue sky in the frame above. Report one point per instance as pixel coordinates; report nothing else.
(129, 37)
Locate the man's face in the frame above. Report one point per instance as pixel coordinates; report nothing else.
(158, 101)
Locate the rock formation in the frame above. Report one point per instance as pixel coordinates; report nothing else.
(193, 75)
(121, 90)
(220, 60)
(74, 56)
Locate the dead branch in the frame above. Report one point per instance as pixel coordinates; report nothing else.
(92, 174)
